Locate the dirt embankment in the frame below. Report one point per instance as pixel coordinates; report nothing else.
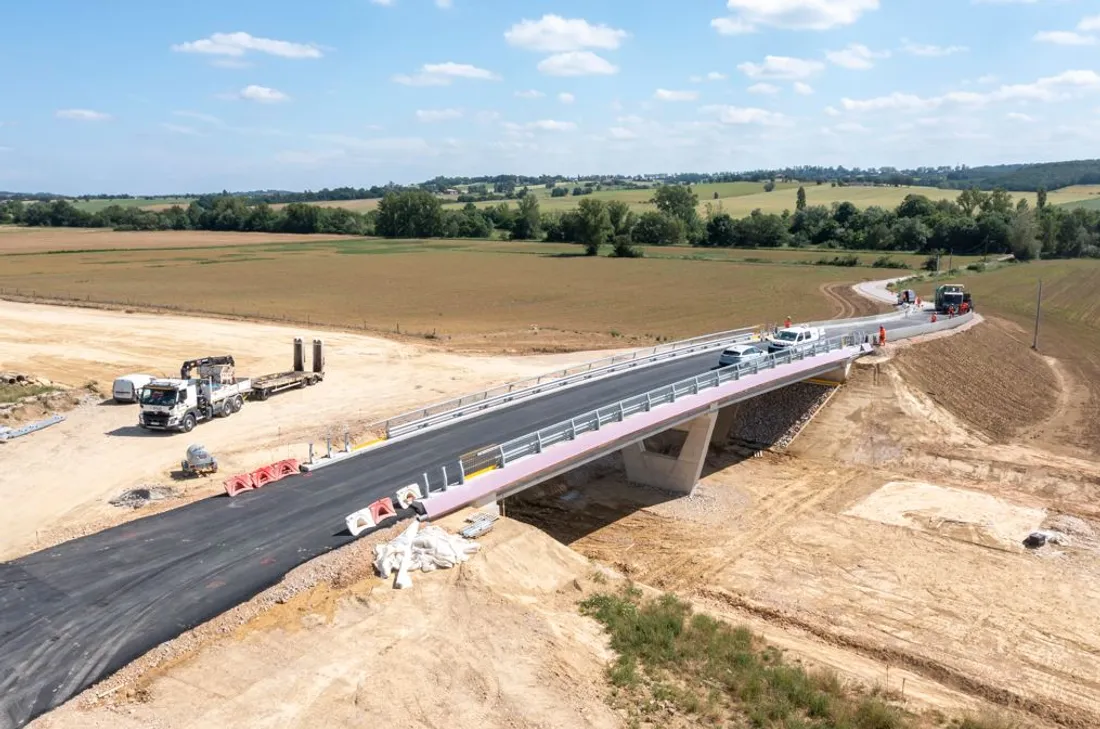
(987, 378)
(496, 643)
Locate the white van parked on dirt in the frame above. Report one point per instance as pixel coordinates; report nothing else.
(128, 387)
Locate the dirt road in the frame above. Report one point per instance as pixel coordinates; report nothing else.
(66, 474)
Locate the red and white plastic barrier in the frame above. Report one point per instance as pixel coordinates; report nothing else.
(261, 476)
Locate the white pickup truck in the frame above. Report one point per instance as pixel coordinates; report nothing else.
(794, 338)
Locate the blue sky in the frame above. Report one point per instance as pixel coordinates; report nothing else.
(124, 96)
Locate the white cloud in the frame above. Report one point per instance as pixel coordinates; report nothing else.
(555, 34)
(732, 26)
(803, 88)
(442, 74)
(791, 14)
(577, 63)
(180, 129)
(763, 88)
(781, 67)
(238, 44)
(529, 94)
(544, 125)
(1089, 23)
(846, 128)
(5, 149)
(1050, 88)
(566, 98)
(488, 116)
(715, 76)
(832, 111)
(856, 56)
(1064, 38)
(444, 4)
(262, 94)
(929, 50)
(746, 115)
(622, 133)
(667, 95)
(82, 115)
(386, 3)
(1017, 116)
(630, 119)
(406, 145)
(987, 79)
(437, 115)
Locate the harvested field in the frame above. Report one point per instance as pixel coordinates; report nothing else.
(986, 377)
(453, 292)
(146, 203)
(40, 240)
(1069, 338)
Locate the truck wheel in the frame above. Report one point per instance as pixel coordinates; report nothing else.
(188, 423)
(238, 403)
(227, 408)
(311, 381)
(261, 394)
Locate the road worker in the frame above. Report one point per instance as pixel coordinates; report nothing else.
(881, 335)
(933, 317)
(965, 307)
(787, 322)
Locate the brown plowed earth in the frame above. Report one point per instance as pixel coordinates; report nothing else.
(987, 378)
(849, 304)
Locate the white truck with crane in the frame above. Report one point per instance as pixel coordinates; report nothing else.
(180, 404)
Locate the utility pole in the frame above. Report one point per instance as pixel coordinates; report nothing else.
(1038, 310)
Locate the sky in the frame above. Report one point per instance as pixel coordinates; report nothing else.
(139, 97)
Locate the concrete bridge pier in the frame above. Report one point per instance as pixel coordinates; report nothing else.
(839, 375)
(679, 474)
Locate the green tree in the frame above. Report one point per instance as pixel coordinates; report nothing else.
(845, 214)
(764, 230)
(658, 229)
(262, 219)
(678, 201)
(769, 185)
(723, 231)
(623, 247)
(595, 225)
(999, 201)
(409, 214)
(301, 218)
(972, 200)
(622, 218)
(1040, 198)
(525, 226)
(910, 234)
(915, 206)
(800, 199)
(1022, 240)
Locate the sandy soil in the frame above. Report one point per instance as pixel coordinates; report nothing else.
(886, 542)
(498, 642)
(99, 451)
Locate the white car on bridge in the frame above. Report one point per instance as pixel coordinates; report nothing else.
(739, 353)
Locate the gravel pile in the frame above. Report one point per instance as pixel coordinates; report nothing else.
(143, 495)
(775, 419)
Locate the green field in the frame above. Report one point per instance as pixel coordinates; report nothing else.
(148, 203)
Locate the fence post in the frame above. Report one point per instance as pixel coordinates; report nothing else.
(311, 453)
(461, 471)
(503, 458)
(445, 484)
(328, 446)
(427, 484)
(572, 428)
(538, 441)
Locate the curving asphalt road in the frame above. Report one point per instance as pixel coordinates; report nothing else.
(73, 614)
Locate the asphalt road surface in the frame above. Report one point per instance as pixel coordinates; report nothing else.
(73, 614)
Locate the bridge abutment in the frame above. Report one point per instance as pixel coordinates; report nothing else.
(679, 474)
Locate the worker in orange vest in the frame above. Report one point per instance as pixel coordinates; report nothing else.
(933, 317)
(787, 322)
(881, 335)
(965, 307)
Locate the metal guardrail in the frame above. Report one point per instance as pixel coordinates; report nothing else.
(501, 455)
(462, 406)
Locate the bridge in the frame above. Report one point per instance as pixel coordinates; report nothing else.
(73, 614)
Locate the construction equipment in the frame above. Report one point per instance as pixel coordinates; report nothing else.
(267, 385)
(198, 461)
(170, 404)
(948, 296)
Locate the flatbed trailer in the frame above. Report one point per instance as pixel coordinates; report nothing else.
(265, 386)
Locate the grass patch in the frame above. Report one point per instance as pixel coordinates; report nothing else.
(673, 660)
(14, 393)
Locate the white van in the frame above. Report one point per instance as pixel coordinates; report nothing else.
(128, 387)
(794, 338)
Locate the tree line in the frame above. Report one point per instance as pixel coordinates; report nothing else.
(975, 223)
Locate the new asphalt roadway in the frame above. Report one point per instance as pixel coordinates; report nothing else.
(73, 614)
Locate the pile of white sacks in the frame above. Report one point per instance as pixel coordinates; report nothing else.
(426, 549)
